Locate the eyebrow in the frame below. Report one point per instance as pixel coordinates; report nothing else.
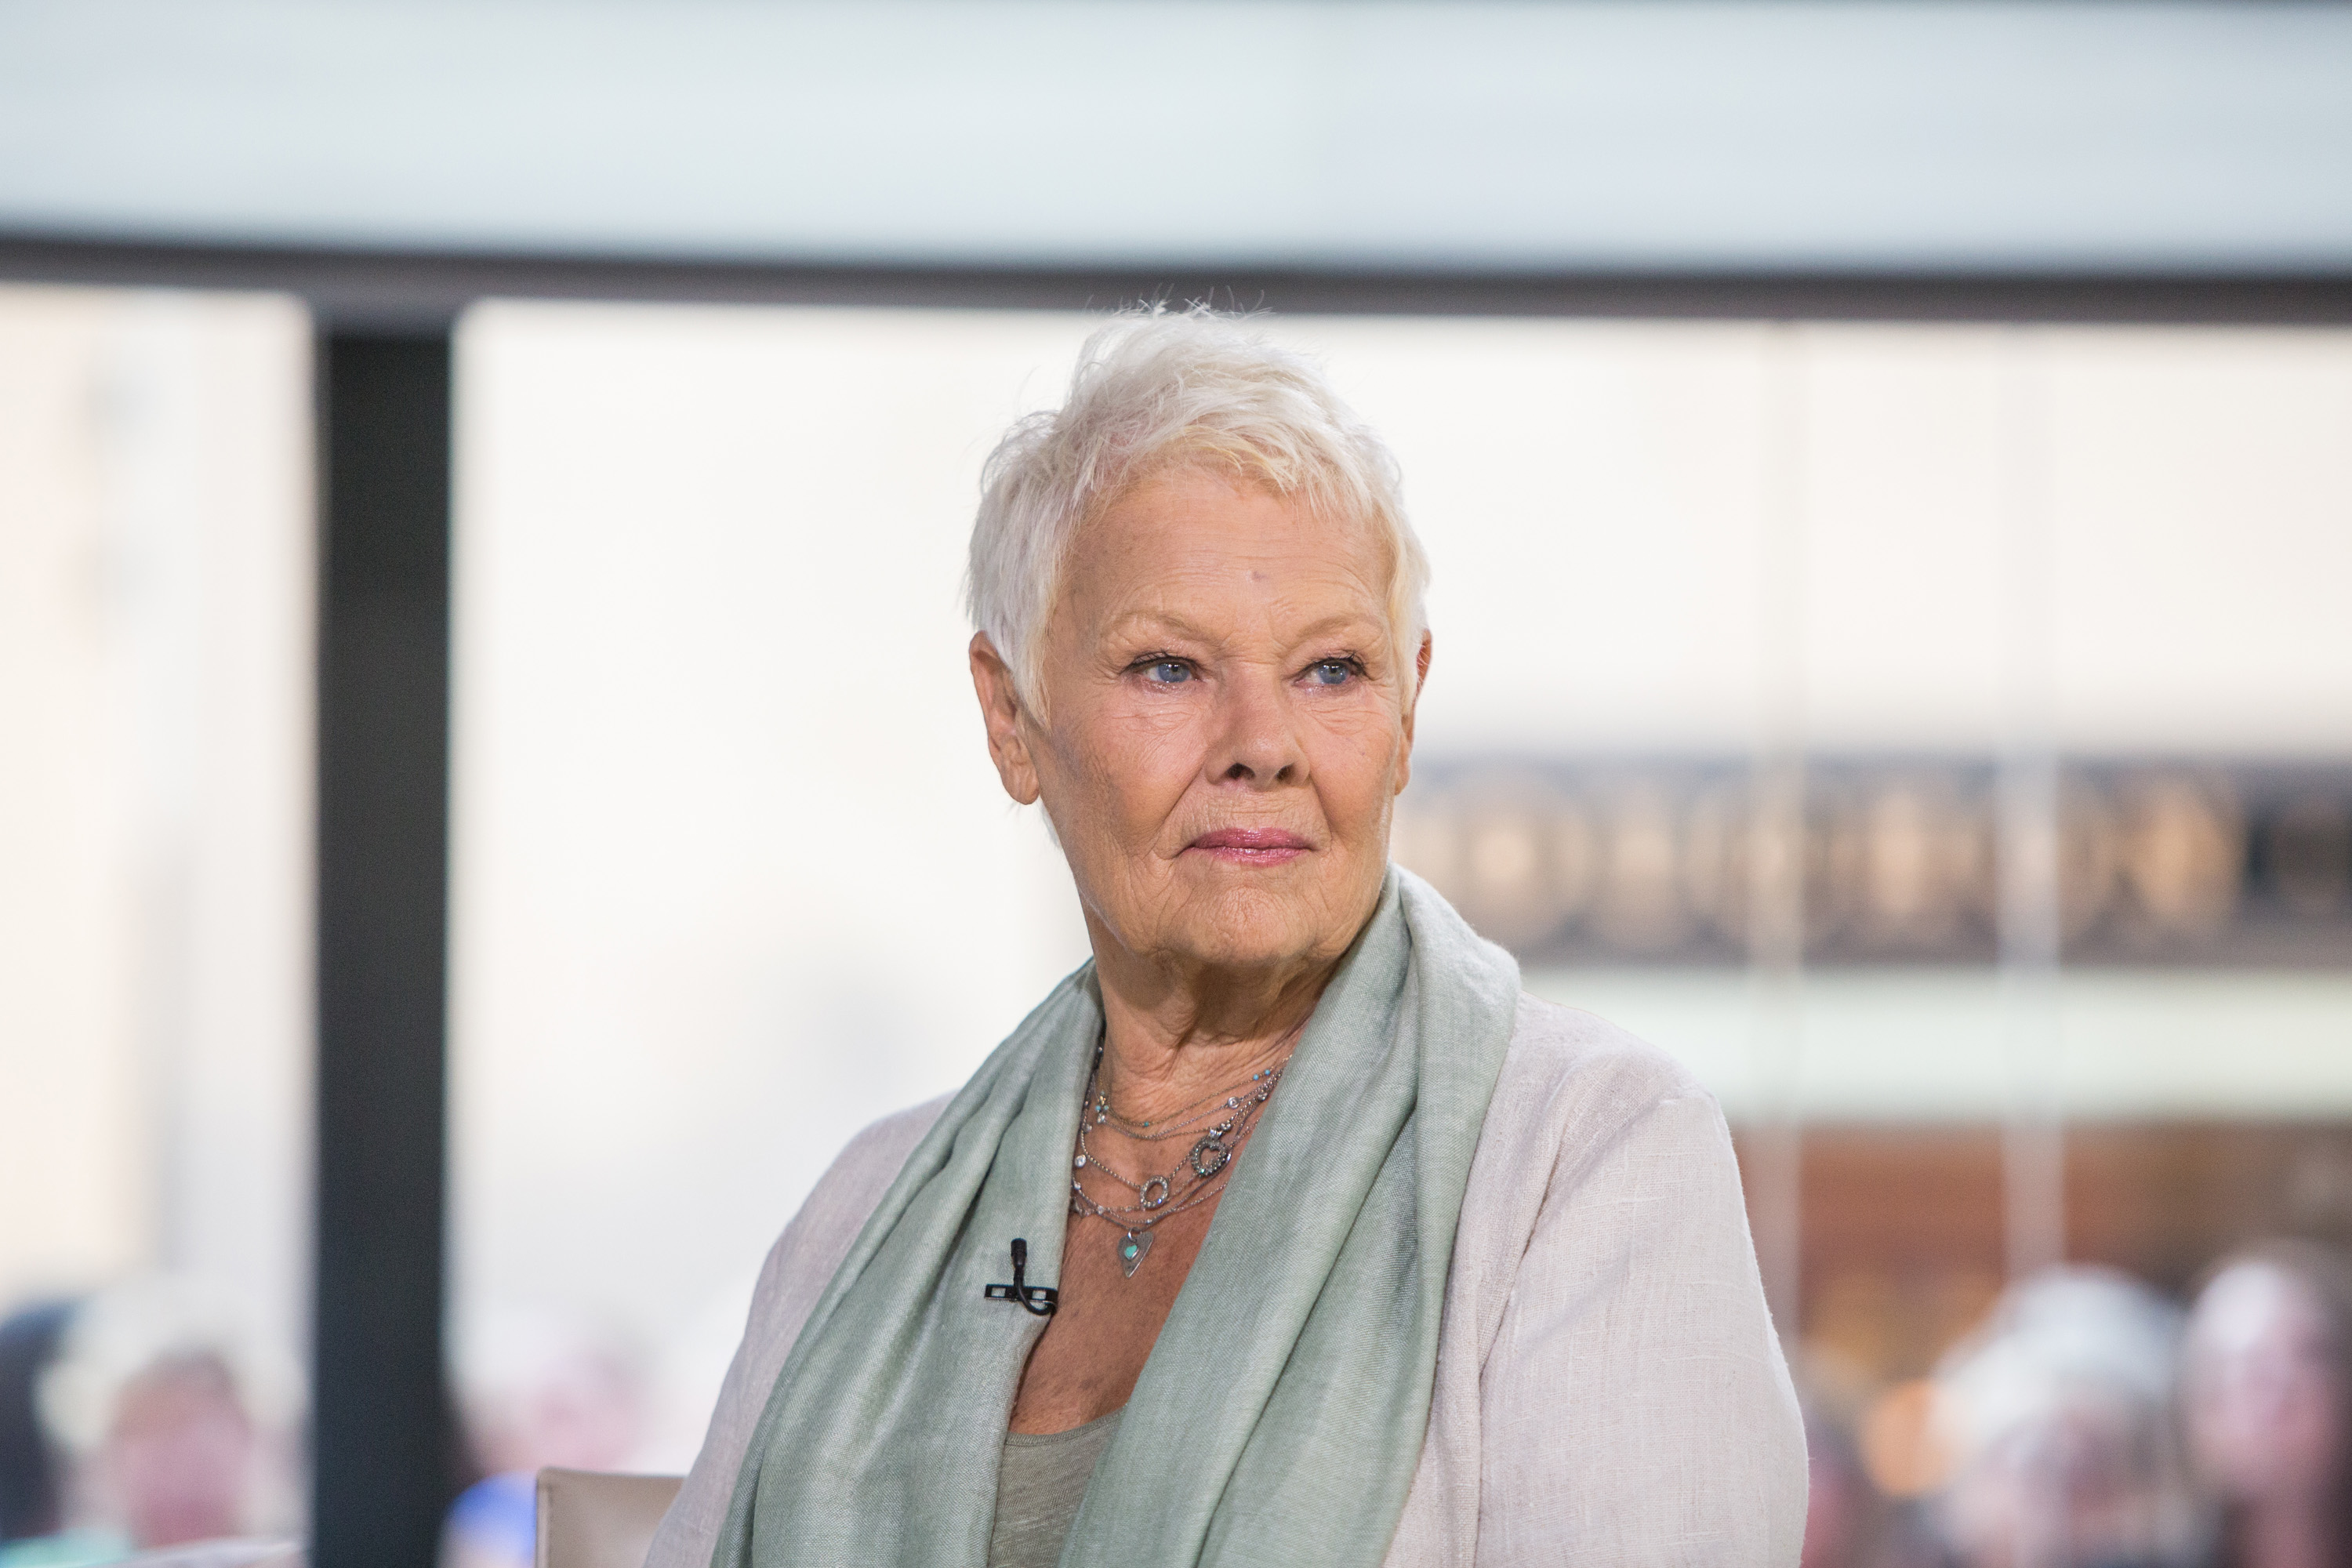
(1155, 621)
(1345, 621)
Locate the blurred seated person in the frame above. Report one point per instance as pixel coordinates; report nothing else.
(2268, 1405)
(538, 1388)
(1841, 1506)
(1849, 1523)
(177, 1425)
(2058, 1415)
(1289, 1229)
(31, 1503)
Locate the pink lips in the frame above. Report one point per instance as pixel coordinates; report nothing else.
(1251, 846)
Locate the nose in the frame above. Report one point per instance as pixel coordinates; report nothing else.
(1256, 743)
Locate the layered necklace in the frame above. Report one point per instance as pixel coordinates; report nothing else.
(1218, 1123)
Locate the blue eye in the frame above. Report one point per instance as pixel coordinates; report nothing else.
(1167, 672)
(1332, 672)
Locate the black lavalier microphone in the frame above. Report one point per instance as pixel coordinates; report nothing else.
(1039, 1299)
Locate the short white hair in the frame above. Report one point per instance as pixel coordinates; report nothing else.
(1155, 389)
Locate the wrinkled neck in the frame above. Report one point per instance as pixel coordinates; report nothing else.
(1174, 1043)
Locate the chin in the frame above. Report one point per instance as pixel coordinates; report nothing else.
(1245, 928)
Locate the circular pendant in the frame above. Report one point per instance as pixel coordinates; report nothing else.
(1144, 1195)
(1209, 1157)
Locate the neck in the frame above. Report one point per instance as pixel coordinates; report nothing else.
(1171, 1034)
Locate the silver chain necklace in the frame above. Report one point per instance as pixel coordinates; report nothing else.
(1195, 1179)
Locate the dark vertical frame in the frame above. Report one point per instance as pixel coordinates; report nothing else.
(382, 1462)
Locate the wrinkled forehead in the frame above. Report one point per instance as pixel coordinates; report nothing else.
(1188, 528)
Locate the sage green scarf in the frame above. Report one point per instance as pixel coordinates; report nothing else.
(1280, 1416)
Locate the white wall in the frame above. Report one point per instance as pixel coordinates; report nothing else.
(155, 594)
(733, 876)
(1593, 496)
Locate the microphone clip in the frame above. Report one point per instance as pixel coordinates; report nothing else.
(1038, 1299)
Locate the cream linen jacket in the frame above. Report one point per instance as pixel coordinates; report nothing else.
(1609, 1388)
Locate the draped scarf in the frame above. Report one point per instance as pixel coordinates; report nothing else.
(1280, 1416)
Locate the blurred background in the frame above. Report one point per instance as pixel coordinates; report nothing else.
(491, 797)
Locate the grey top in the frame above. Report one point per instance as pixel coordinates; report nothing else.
(1039, 1485)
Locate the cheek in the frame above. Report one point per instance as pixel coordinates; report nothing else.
(1126, 769)
(1355, 757)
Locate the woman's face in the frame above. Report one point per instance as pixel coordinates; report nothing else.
(179, 1455)
(1225, 725)
(2265, 1401)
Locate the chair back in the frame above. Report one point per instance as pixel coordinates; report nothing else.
(587, 1520)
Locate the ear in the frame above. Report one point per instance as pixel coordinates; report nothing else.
(1000, 711)
(1412, 706)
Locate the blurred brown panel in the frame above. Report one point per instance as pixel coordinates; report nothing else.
(1902, 1242)
(2165, 1201)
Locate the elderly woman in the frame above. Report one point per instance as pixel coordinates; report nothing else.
(1287, 1230)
